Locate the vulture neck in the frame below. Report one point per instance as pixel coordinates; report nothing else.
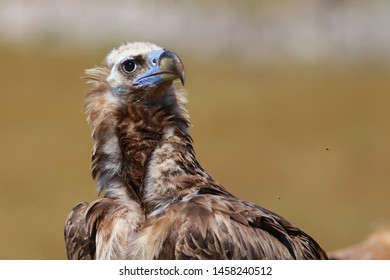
(142, 153)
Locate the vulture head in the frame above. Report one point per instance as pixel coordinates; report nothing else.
(140, 73)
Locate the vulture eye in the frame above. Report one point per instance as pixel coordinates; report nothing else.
(129, 66)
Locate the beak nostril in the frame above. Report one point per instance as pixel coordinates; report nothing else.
(163, 66)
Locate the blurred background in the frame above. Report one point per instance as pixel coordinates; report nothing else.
(289, 102)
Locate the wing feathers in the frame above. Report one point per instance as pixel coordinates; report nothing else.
(234, 229)
(101, 229)
(80, 244)
(204, 226)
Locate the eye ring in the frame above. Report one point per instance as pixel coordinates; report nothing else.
(129, 66)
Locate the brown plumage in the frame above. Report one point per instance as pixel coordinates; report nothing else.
(159, 203)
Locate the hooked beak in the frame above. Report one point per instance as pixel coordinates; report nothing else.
(164, 66)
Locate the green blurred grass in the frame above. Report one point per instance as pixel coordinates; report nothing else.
(308, 141)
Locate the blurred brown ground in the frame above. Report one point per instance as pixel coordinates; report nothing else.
(310, 142)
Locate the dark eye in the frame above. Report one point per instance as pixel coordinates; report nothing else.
(129, 66)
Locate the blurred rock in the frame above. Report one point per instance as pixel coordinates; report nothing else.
(375, 247)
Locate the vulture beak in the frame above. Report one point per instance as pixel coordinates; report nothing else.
(164, 66)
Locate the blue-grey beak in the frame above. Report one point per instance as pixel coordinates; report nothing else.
(164, 66)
